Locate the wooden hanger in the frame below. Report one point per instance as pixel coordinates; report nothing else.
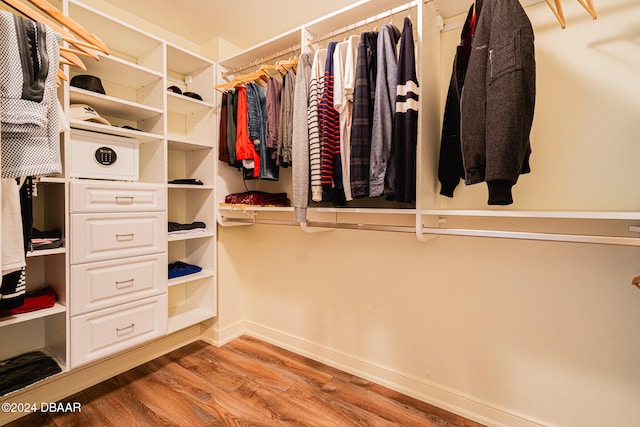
(636, 281)
(556, 8)
(71, 25)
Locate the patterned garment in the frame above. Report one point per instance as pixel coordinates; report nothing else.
(363, 95)
(29, 60)
(405, 131)
(315, 92)
(331, 165)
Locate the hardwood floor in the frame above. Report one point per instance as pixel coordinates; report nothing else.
(247, 382)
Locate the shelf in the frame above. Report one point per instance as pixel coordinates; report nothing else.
(142, 137)
(204, 274)
(115, 107)
(178, 144)
(186, 105)
(45, 252)
(51, 180)
(182, 317)
(182, 237)
(184, 63)
(39, 314)
(190, 187)
(133, 75)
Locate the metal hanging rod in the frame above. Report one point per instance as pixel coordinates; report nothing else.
(322, 225)
(261, 61)
(366, 21)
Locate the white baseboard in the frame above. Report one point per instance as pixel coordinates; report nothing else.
(429, 392)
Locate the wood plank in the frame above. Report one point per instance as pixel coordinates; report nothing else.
(245, 382)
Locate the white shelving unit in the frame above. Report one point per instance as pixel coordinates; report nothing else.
(190, 151)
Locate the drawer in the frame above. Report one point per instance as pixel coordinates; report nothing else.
(108, 283)
(112, 330)
(100, 237)
(113, 197)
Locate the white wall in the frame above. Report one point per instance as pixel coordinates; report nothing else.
(522, 332)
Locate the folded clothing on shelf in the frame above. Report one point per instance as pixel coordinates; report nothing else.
(186, 181)
(50, 239)
(179, 268)
(29, 368)
(258, 198)
(44, 297)
(195, 227)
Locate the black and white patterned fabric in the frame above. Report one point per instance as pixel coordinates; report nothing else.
(29, 60)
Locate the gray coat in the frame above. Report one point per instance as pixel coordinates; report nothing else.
(498, 99)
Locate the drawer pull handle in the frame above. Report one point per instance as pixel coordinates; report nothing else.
(124, 237)
(125, 330)
(124, 199)
(124, 283)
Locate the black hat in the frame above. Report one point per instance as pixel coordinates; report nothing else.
(85, 81)
(174, 89)
(193, 95)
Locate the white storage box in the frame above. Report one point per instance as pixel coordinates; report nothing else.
(101, 156)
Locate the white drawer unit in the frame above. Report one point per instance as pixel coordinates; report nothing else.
(103, 332)
(98, 237)
(106, 284)
(101, 156)
(98, 196)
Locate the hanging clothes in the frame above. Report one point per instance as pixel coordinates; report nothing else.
(286, 118)
(498, 101)
(223, 149)
(363, 96)
(450, 167)
(405, 131)
(245, 148)
(232, 130)
(331, 166)
(13, 287)
(381, 166)
(29, 61)
(316, 87)
(300, 138)
(274, 92)
(257, 106)
(344, 82)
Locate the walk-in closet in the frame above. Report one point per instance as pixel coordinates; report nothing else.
(373, 212)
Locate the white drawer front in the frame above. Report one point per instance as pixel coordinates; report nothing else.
(108, 283)
(101, 237)
(108, 331)
(113, 197)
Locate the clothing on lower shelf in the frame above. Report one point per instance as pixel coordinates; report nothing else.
(258, 198)
(41, 298)
(176, 228)
(180, 268)
(50, 239)
(186, 181)
(26, 369)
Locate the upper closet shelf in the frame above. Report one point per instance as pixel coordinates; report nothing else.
(111, 106)
(142, 137)
(185, 105)
(128, 74)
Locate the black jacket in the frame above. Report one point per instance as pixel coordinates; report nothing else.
(498, 100)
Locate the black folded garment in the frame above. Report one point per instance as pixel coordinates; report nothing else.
(175, 226)
(26, 369)
(186, 181)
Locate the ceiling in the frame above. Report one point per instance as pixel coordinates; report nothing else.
(242, 22)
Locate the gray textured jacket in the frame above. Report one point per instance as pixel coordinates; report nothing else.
(498, 99)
